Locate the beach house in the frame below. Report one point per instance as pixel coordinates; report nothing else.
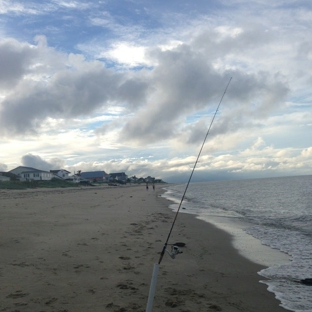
(61, 173)
(95, 176)
(29, 174)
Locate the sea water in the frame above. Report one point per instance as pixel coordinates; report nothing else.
(276, 212)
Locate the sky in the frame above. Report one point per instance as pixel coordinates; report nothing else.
(132, 86)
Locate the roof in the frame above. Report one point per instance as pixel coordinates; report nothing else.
(28, 169)
(93, 174)
(56, 171)
(35, 170)
(118, 174)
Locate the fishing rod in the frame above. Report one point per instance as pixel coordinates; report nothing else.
(175, 247)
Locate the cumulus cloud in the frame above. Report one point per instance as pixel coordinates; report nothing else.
(37, 162)
(159, 95)
(258, 160)
(74, 88)
(3, 167)
(44, 83)
(15, 60)
(185, 82)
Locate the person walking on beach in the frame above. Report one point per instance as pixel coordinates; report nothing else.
(146, 186)
(153, 186)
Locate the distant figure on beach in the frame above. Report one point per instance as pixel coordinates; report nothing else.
(147, 186)
(153, 186)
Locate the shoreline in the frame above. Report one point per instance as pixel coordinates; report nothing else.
(95, 249)
(247, 245)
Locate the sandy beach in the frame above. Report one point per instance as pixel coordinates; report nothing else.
(93, 249)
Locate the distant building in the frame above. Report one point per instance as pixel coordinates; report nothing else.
(3, 178)
(61, 173)
(95, 176)
(29, 174)
(8, 176)
(119, 176)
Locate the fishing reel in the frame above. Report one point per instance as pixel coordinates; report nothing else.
(175, 250)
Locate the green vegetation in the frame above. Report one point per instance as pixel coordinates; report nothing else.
(20, 185)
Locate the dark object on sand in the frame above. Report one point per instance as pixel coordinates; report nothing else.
(306, 281)
(179, 244)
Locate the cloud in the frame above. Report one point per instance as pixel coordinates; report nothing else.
(124, 53)
(37, 162)
(38, 8)
(47, 84)
(15, 7)
(307, 153)
(15, 61)
(251, 162)
(150, 85)
(3, 167)
(74, 88)
(185, 82)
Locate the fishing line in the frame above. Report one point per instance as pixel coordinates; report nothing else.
(189, 180)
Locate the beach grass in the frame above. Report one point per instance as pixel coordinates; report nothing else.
(22, 185)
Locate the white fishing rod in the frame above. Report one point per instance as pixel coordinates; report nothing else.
(175, 247)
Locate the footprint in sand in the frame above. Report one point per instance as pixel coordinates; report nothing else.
(91, 291)
(17, 294)
(128, 267)
(65, 254)
(50, 301)
(20, 304)
(173, 302)
(126, 285)
(215, 307)
(82, 244)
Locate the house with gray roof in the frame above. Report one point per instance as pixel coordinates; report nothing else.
(95, 176)
(29, 174)
(61, 173)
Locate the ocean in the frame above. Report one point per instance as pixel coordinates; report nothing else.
(275, 213)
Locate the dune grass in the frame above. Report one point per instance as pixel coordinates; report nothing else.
(20, 185)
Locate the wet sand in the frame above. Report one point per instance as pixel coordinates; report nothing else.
(93, 249)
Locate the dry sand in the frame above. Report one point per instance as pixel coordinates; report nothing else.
(93, 249)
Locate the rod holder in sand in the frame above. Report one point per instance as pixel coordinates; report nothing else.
(152, 290)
